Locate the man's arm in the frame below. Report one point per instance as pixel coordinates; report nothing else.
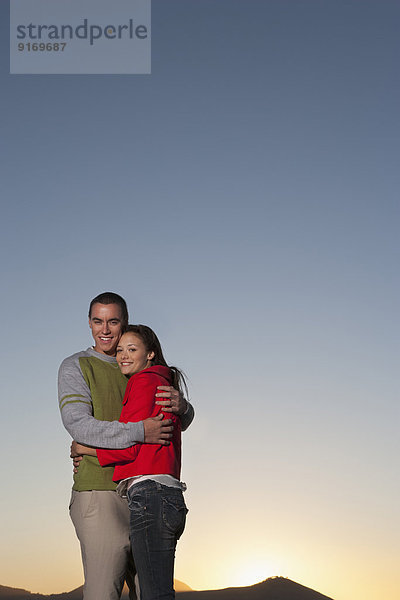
(187, 417)
(76, 412)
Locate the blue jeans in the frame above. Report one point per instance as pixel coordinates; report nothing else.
(157, 520)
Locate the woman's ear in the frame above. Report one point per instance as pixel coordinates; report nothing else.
(150, 356)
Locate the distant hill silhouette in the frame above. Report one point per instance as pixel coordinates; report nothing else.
(9, 593)
(274, 588)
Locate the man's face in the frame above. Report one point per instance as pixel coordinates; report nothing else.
(105, 322)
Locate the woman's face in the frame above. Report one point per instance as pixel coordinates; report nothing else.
(132, 355)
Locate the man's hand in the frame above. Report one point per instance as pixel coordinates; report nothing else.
(175, 403)
(157, 430)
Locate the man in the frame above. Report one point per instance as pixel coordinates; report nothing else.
(91, 389)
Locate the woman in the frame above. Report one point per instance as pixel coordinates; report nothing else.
(148, 474)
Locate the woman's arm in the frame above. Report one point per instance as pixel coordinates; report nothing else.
(105, 457)
(117, 457)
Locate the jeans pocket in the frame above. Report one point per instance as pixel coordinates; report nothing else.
(174, 514)
(138, 513)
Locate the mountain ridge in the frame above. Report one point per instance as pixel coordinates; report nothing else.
(273, 588)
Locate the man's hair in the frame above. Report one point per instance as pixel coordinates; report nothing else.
(111, 298)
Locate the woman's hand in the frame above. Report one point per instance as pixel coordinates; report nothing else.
(76, 458)
(175, 403)
(79, 450)
(74, 450)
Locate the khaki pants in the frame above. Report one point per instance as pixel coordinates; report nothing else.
(101, 521)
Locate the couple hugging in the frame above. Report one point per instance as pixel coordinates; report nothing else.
(124, 408)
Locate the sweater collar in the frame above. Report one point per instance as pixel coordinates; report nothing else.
(101, 356)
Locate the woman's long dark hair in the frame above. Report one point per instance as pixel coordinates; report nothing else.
(152, 344)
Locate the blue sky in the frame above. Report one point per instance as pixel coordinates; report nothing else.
(244, 199)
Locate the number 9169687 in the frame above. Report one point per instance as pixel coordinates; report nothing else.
(42, 47)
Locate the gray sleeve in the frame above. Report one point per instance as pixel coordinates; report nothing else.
(187, 417)
(76, 413)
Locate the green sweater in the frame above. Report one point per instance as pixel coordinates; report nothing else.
(91, 387)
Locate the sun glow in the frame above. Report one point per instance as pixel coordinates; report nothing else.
(252, 571)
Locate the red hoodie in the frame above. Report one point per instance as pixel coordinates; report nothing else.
(139, 404)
